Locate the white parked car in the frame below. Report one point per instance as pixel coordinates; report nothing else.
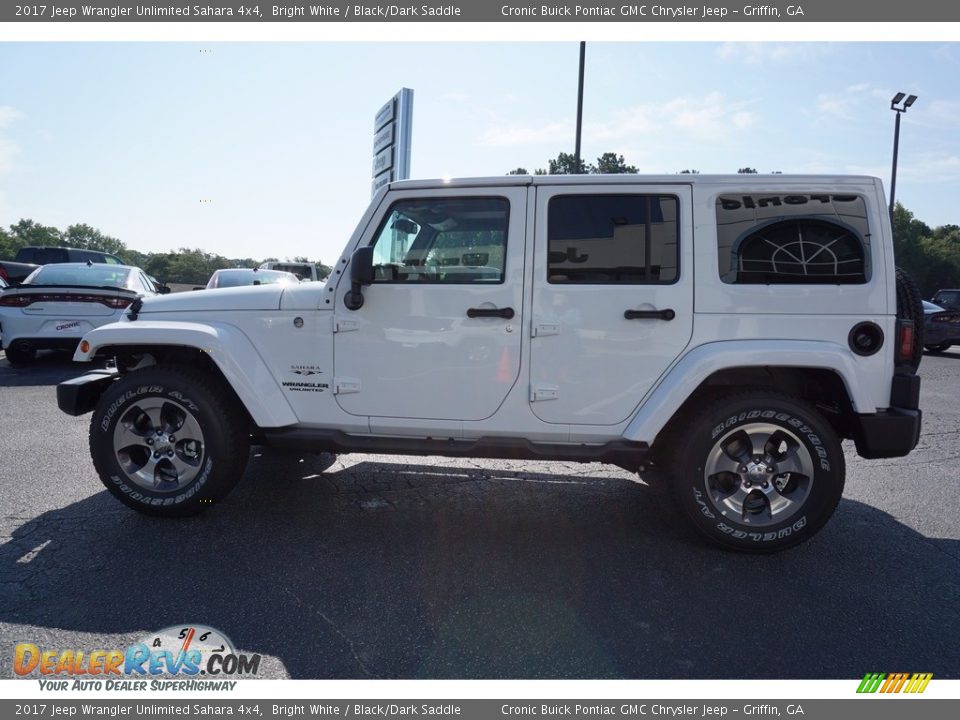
(236, 277)
(57, 304)
(731, 330)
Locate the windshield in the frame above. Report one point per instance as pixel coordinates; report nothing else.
(301, 270)
(236, 278)
(948, 298)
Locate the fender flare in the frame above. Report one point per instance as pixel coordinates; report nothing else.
(687, 374)
(228, 347)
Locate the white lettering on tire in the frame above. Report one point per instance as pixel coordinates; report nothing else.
(192, 490)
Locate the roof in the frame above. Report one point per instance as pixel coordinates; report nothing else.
(630, 179)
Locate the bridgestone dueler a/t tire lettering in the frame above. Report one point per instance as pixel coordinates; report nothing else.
(215, 413)
(699, 438)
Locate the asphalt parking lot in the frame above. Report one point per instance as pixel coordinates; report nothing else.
(379, 566)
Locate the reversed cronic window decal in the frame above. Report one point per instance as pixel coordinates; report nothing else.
(777, 239)
(800, 251)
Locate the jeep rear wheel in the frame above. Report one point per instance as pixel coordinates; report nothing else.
(166, 443)
(757, 472)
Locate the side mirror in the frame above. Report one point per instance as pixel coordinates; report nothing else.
(361, 266)
(163, 289)
(361, 273)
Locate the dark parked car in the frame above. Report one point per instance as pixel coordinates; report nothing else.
(941, 328)
(31, 257)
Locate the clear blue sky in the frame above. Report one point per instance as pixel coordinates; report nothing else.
(130, 137)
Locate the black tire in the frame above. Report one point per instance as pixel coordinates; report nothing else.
(812, 497)
(910, 307)
(937, 349)
(18, 356)
(211, 464)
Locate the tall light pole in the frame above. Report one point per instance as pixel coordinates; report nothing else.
(576, 154)
(897, 107)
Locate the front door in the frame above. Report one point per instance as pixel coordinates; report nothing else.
(612, 297)
(438, 335)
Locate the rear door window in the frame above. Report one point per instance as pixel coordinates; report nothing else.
(601, 239)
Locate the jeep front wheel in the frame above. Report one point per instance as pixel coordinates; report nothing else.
(758, 472)
(166, 443)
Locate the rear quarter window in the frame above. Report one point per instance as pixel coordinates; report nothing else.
(795, 238)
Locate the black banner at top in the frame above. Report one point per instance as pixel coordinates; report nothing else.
(481, 11)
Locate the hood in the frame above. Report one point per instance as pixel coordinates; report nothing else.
(252, 297)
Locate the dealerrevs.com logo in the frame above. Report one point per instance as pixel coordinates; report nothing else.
(181, 657)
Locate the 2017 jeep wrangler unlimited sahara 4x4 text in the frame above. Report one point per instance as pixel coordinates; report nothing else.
(732, 330)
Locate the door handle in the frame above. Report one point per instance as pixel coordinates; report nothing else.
(665, 314)
(505, 313)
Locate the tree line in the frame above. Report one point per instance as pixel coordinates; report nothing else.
(185, 265)
(608, 163)
(930, 255)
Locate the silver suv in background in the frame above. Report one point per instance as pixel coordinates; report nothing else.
(305, 271)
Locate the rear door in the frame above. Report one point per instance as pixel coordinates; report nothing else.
(612, 297)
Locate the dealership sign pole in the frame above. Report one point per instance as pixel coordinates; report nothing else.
(391, 148)
(391, 140)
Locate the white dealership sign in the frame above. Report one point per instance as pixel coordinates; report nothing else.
(392, 127)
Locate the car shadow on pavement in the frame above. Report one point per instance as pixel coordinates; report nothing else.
(49, 368)
(450, 570)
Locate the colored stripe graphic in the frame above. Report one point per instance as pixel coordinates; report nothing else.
(918, 682)
(870, 682)
(894, 682)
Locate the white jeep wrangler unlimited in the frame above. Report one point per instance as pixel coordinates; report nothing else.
(732, 330)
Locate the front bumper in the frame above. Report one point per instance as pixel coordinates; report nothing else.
(893, 432)
(81, 394)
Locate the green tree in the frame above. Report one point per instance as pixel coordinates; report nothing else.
(28, 232)
(134, 257)
(8, 245)
(519, 171)
(567, 164)
(747, 171)
(931, 257)
(84, 237)
(689, 172)
(612, 164)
